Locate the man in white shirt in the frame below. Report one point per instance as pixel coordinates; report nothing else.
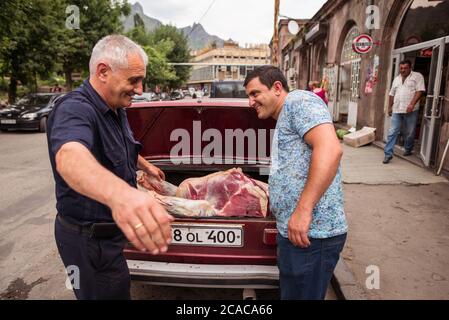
(403, 107)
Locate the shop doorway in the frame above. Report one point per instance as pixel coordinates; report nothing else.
(429, 58)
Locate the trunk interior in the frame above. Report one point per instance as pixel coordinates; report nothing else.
(254, 250)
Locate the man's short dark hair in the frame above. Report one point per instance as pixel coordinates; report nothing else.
(268, 75)
(406, 62)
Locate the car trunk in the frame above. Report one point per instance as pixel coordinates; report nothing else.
(156, 126)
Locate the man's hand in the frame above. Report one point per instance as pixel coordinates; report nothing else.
(390, 112)
(150, 169)
(410, 108)
(154, 171)
(144, 222)
(298, 228)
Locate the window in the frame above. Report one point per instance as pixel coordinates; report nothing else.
(243, 71)
(349, 74)
(348, 53)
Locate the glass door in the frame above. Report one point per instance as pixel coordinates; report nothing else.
(431, 109)
(396, 58)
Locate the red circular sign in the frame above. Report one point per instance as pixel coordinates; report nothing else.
(362, 44)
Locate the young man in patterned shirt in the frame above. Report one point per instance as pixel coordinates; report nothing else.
(304, 184)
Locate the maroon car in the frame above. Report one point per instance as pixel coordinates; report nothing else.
(233, 252)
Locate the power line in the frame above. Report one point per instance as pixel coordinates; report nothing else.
(204, 14)
(210, 6)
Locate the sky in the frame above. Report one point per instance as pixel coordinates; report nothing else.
(244, 21)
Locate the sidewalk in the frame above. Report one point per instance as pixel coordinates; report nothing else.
(398, 216)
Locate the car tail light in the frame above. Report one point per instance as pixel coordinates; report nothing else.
(269, 236)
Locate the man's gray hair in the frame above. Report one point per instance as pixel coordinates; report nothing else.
(114, 50)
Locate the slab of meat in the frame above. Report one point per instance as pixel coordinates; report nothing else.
(228, 193)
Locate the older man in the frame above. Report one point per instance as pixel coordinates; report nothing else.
(403, 107)
(94, 158)
(305, 183)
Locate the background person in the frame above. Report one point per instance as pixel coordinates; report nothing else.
(403, 107)
(315, 87)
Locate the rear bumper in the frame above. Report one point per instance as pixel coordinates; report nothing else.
(204, 275)
(22, 125)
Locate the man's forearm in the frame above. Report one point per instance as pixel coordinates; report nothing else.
(416, 98)
(390, 102)
(325, 161)
(141, 162)
(90, 178)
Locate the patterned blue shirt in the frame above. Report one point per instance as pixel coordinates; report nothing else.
(290, 156)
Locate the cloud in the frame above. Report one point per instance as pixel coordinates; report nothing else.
(245, 21)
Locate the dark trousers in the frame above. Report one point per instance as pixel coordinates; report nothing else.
(305, 274)
(103, 272)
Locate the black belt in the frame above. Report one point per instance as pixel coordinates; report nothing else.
(102, 230)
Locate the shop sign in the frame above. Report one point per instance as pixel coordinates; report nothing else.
(362, 44)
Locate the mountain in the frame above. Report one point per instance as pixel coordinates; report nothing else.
(197, 37)
(128, 22)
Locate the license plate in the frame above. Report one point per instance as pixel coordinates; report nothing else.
(216, 235)
(8, 121)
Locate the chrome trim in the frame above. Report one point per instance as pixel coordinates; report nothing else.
(204, 275)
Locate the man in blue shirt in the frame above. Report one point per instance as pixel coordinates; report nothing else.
(304, 184)
(94, 158)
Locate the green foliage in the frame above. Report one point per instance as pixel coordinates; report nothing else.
(98, 18)
(138, 33)
(27, 41)
(166, 44)
(178, 53)
(159, 73)
(35, 41)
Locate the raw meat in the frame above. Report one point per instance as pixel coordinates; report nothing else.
(224, 193)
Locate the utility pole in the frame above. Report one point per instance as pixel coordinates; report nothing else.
(276, 34)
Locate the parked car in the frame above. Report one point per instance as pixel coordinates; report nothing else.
(176, 95)
(29, 113)
(228, 89)
(247, 257)
(145, 96)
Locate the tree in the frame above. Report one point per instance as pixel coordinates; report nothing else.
(98, 18)
(138, 33)
(159, 72)
(27, 50)
(178, 53)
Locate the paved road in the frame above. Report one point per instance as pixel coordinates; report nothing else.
(30, 266)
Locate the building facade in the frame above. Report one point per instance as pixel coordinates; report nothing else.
(358, 84)
(231, 62)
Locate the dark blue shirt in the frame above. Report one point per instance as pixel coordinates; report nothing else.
(83, 116)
